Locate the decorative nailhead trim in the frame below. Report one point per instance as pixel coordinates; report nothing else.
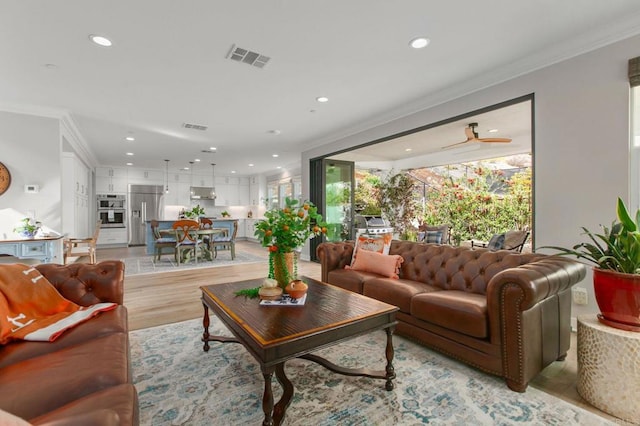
(503, 321)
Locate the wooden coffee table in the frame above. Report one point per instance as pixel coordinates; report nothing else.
(275, 334)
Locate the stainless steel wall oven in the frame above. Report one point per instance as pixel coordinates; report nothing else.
(112, 210)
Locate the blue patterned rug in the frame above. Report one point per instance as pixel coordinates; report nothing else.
(146, 265)
(179, 384)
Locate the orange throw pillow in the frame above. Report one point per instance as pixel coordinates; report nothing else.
(380, 243)
(387, 265)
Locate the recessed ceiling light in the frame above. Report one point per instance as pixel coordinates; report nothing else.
(130, 138)
(100, 40)
(279, 167)
(129, 153)
(250, 164)
(322, 99)
(275, 155)
(196, 160)
(129, 164)
(233, 171)
(407, 149)
(419, 42)
(493, 130)
(213, 148)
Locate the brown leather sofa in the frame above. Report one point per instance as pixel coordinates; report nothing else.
(503, 312)
(84, 376)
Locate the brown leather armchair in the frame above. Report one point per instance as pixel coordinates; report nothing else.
(84, 376)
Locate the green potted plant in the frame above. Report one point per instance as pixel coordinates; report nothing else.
(194, 213)
(615, 254)
(282, 231)
(225, 214)
(27, 228)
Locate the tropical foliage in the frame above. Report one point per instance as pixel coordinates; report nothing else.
(481, 203)
(617, 248)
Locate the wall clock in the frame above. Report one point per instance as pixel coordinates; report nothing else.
(5, 179)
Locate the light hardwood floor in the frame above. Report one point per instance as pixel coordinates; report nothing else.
(164, 298)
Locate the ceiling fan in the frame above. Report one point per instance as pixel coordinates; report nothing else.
(472, 136)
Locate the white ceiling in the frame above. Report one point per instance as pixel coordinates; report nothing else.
(167, 66)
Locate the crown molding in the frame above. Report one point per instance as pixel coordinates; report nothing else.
(68, 127)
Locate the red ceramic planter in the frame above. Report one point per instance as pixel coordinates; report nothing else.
(618, 297)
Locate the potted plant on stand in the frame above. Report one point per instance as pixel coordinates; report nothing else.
(283, 231)
(616, 275)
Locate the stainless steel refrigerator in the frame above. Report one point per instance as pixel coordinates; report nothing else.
(145, 202)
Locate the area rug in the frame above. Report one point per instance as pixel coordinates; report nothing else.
(180, 384)
(146, 265)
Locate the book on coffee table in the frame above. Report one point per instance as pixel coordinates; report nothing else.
(285, 300)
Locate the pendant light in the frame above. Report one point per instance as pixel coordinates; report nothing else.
(166, 188)
(213, 181)
(191, 168)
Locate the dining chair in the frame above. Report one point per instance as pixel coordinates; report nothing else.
(80, 247)
(187, 239)
(227, 242)
(206, 223)
(162, 242)
(513, 240)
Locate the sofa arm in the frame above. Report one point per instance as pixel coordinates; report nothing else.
(87, 284)
(533, 282)
(529, 310)
(334, 255)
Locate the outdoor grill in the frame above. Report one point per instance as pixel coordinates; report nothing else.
(370, 224)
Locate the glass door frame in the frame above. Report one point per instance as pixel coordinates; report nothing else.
(318, 196)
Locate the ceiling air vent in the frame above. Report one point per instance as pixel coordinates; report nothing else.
(194, 126)
(248, 57)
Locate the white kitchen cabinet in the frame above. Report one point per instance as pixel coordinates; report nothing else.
(201, 179)
(111, 180)
(224, 195)
(145, 177)
(113, 237)
(242, 232)
(76, 206)
(243, 191)
(250, 228)
(257, 190)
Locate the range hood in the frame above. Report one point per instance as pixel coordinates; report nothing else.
(203, 193)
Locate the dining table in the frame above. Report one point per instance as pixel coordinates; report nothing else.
(209, 247)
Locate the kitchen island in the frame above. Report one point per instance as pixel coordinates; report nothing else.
(168, 224)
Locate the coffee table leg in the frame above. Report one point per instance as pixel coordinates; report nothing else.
(205, 324)
(391, 373)
(287, 387)
(267, 397)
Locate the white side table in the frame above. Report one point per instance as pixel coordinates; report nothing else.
(609, 368)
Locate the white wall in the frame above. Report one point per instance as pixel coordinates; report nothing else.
(581, 141)
(30, 148)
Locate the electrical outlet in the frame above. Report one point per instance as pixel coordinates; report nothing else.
(580, 296)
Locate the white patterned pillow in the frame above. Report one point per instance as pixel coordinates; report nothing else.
(380, 243)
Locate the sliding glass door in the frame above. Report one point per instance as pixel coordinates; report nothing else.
(332, 190)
